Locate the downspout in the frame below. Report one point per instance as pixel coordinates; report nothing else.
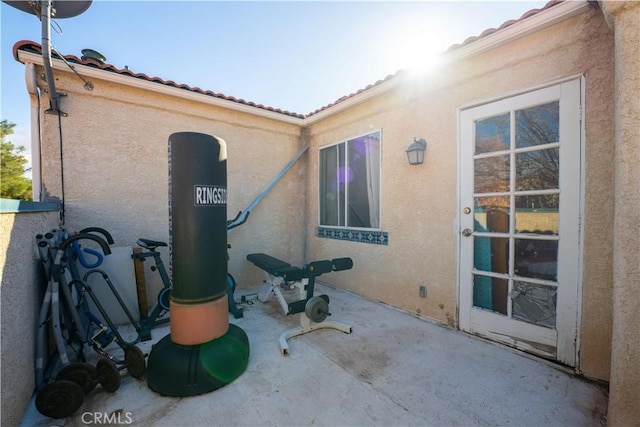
(36, 141)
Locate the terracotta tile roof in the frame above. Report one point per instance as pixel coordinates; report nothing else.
(351, 95)
(509, 23)
(468, 41)
(33, 47)
(30, 46)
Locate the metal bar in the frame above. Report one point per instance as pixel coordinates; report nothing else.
(245, 213)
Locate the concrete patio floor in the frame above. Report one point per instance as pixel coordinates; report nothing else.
(393, 369)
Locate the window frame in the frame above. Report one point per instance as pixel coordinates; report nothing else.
(319, 181)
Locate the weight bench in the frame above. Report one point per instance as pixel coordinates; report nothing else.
(315, 308)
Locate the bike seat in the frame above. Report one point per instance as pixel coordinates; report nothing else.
(150, 244)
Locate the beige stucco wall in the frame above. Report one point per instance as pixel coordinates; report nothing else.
(419, 204)
(624, 402)
(115, 142)
(115, 154)
(393, 273)
(22, 286)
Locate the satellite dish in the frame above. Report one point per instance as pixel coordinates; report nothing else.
(63, 8)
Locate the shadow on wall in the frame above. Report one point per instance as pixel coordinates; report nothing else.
(21, 291)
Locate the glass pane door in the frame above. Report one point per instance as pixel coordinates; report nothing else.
(519, 220)
(516, 169)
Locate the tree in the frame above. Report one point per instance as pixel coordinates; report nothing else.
(13, 183)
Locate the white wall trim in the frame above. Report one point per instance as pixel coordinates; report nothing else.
(34, 107)
(582, 211)
(517, 92)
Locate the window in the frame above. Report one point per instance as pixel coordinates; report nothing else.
(350, 183)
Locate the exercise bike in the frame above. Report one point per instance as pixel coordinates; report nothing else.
(158, 315)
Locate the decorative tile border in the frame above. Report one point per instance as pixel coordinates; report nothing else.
(354, 235)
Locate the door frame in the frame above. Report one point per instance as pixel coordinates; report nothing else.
(569, 359)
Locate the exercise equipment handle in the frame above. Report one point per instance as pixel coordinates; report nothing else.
(102, 231)
(57, 267)
(63, 247)
(79, 253)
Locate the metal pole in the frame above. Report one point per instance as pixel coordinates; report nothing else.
(245, 213)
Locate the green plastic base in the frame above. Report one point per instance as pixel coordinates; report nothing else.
(180, 370)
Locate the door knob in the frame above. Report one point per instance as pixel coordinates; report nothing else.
(467, 232)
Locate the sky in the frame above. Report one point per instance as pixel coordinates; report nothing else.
(293, 55)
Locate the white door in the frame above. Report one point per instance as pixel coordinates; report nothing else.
(519, 220)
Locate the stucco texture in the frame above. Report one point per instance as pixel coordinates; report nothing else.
(624, 407)
(115, 145)
(419, 204)
(115, 163)
(22, 288)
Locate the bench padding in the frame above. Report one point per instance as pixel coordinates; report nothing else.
(272, 265)
(283, 269)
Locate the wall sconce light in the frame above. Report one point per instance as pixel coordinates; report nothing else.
(415, 151)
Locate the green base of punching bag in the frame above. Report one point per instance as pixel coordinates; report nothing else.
(189, 370)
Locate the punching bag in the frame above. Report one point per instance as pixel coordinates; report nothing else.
(198, 218)
(198, 236)
(203, 351)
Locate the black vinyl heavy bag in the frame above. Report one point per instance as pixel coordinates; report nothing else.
(198, 216)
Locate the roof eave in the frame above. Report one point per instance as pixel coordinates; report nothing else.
(354, 100)
(99, 74)
(543, 19)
